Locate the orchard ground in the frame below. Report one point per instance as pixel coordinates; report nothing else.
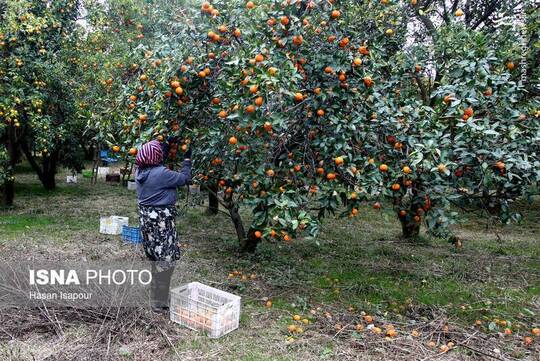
(428, 291)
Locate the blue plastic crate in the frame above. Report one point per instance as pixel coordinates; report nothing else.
(131, 234)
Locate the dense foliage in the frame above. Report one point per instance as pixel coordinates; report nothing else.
(38, 85)
(300, 109)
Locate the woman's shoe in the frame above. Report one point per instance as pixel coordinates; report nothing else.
(160, 309)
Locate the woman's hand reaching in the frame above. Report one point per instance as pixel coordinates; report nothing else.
(187, 154)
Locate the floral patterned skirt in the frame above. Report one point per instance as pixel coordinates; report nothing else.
(158, 230)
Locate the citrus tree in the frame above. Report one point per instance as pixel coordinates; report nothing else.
(301, 109)
(39, 55)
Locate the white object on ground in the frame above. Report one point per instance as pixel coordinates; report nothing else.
(112, 225)
(204, 308)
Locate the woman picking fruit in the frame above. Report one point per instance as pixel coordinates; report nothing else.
(156, 198)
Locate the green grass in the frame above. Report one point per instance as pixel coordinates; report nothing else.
(15, 225)
(360, 263)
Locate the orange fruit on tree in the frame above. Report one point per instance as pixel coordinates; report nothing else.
(250, 108)
(317, 91)
(179, 90)
(335, 14)
(510, 65)
(133, 98)
(116, 149)
(448, 99)
(343, 42)
(396, 187)
(536, 331)
(357, 61)
(441, 168)
(253, 89)
(328, 70)
(259, 101)
(237, 32)
(297, 40)
(272, 71)
(339, 161)
(268, 126)
(175, 84)
(320, 112)
(259, 58)
(143, 77)
(222, 114)
(331, 176)
(383, 168)
(407, 170)
(258, 234)
(216, 101)
(376, 205)
(233, 140)
(469, 112)
(298, 97)
(250, 5)
(284, 20)
(271, 22)
(363, 50)
(402, 213)
(132, 151)
(368, 82)
(270, 172)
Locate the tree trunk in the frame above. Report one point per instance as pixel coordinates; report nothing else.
(48, 180)
(213, 202)
(47, 171)
(8, 190)
(410, 228)
(248, 242)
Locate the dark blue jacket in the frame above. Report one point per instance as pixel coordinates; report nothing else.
(156, 186)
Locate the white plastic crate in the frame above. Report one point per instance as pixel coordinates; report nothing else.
(204, 308)
(194, 188)
(112, 225)
(71, 179)
(131, 185)
(103, 171)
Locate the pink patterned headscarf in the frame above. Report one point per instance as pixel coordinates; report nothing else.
(150, 154)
